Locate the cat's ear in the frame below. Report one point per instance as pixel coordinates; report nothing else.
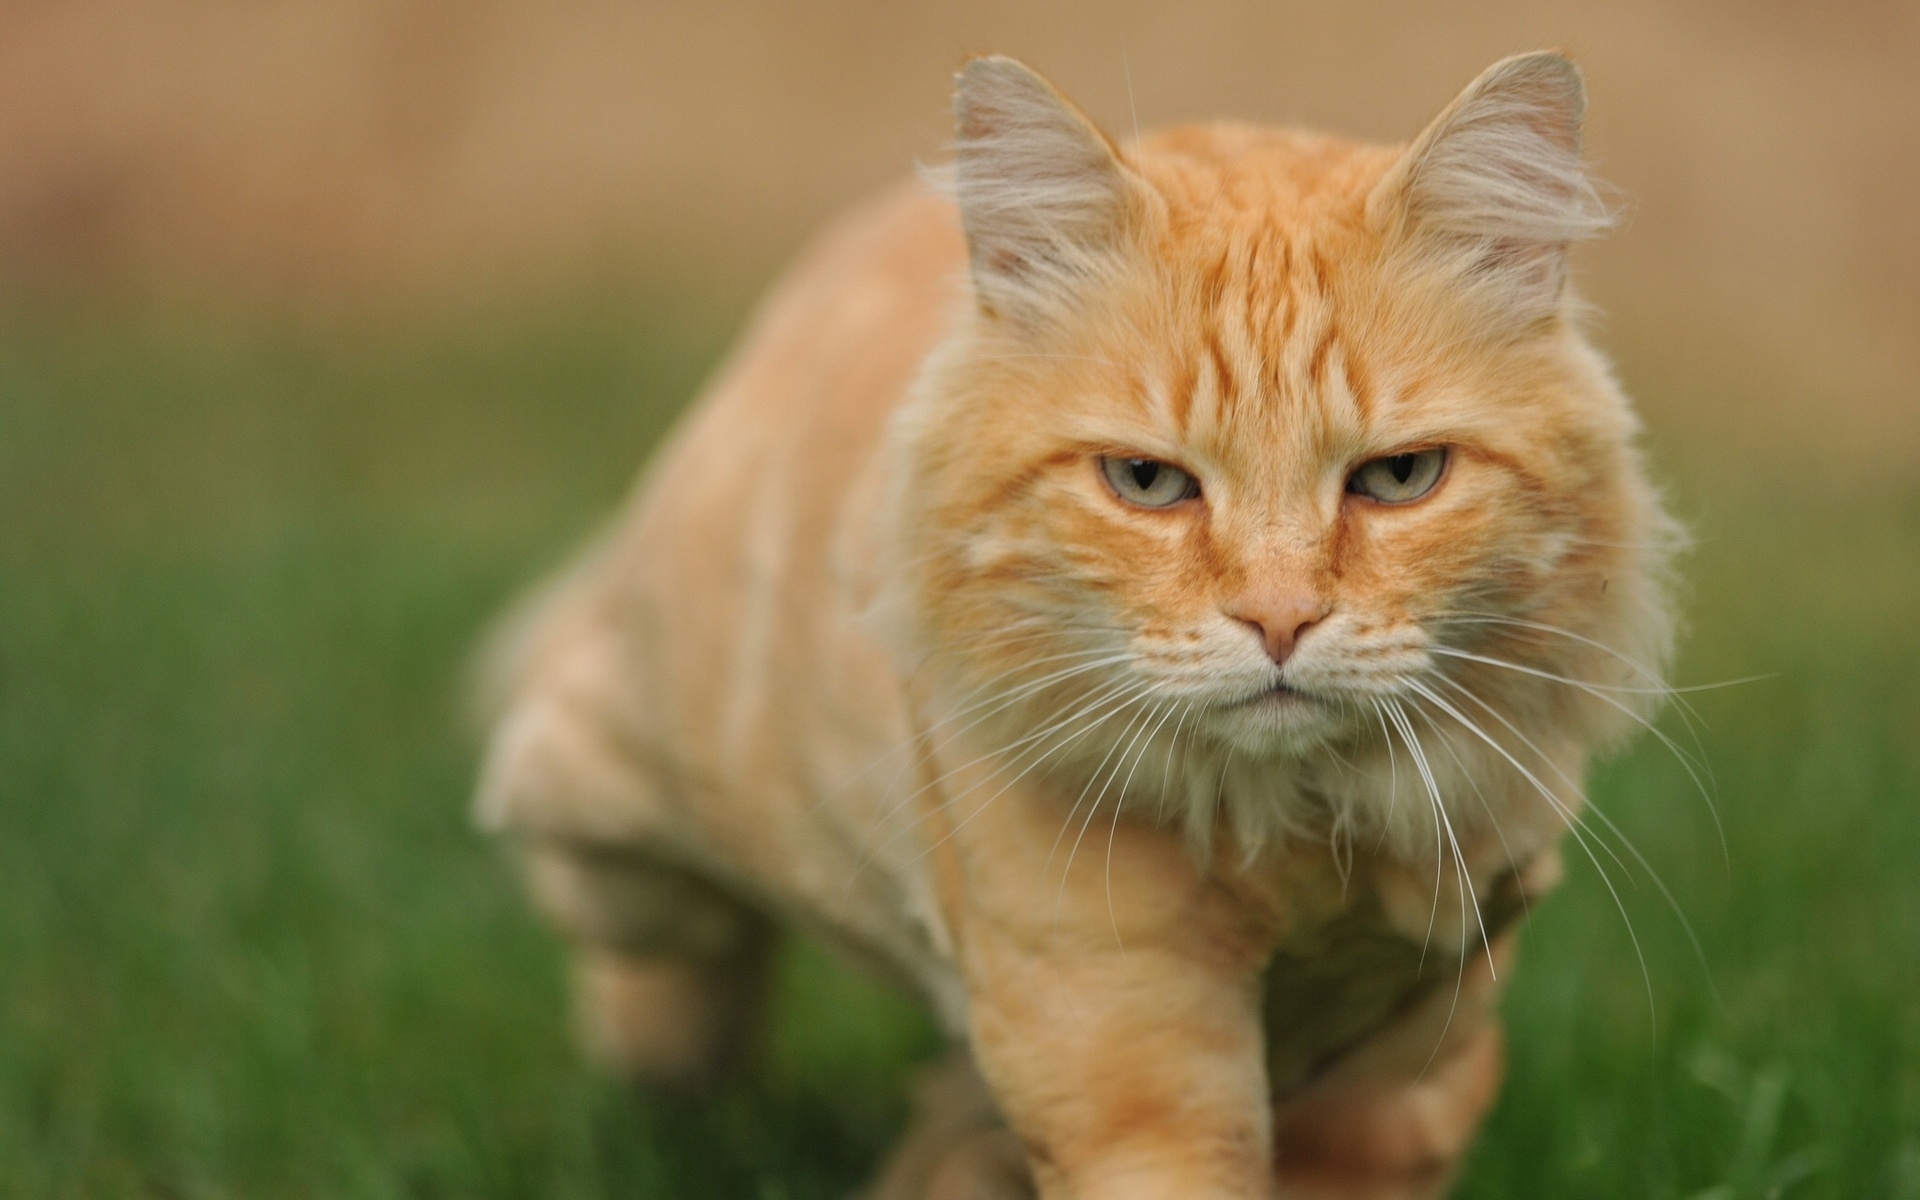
(1043, 195)
(1495, 189)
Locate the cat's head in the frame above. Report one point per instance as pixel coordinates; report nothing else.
(1263, 441)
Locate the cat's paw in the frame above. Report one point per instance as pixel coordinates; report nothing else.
(1387, 1140)
(957, 1147)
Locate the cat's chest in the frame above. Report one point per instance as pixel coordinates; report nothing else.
(1332, 984)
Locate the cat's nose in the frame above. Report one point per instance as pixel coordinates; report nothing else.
(1280, 619)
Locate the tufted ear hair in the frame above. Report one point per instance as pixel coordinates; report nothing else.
(1494, 189)
(1043, 195)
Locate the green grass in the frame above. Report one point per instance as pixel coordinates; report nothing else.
(250, 946)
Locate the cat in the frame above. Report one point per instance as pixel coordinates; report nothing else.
(1154, 601)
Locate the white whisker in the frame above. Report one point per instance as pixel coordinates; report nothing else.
(919, 738)
(1393, 773)
(1120, 802)
(1138, 691)
(1659, 883)
(1145, 720)
(1566, 817)
(1685, 760)
(1460, 867)
(999, 704)
(1093, 777)
(1115, 698)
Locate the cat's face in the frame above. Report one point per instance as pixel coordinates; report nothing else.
(1256, 453)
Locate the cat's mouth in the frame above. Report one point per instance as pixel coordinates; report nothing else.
(1276, 696)
(1279, 719)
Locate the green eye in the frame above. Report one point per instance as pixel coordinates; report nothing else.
(1399, 478)
(1148, 482)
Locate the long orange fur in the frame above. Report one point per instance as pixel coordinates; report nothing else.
(1201, 826)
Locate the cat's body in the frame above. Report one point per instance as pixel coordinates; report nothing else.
(1127, 789)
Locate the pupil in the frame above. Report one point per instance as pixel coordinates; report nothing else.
(1145, 471)
(1402, 467)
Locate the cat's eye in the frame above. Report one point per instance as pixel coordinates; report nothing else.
(1399, 478)
(1148, 482)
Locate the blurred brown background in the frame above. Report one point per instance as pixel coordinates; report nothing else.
(348, 155)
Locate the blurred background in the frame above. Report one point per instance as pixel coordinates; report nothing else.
(326, 326)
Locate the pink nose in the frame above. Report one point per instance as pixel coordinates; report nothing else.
(1279, 620)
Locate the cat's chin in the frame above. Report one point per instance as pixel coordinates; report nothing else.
(1279, 721)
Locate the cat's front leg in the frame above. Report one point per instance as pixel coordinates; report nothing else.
(1392, 1119)
(1114, 1005)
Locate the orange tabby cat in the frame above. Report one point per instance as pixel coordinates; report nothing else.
(1129, 601)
